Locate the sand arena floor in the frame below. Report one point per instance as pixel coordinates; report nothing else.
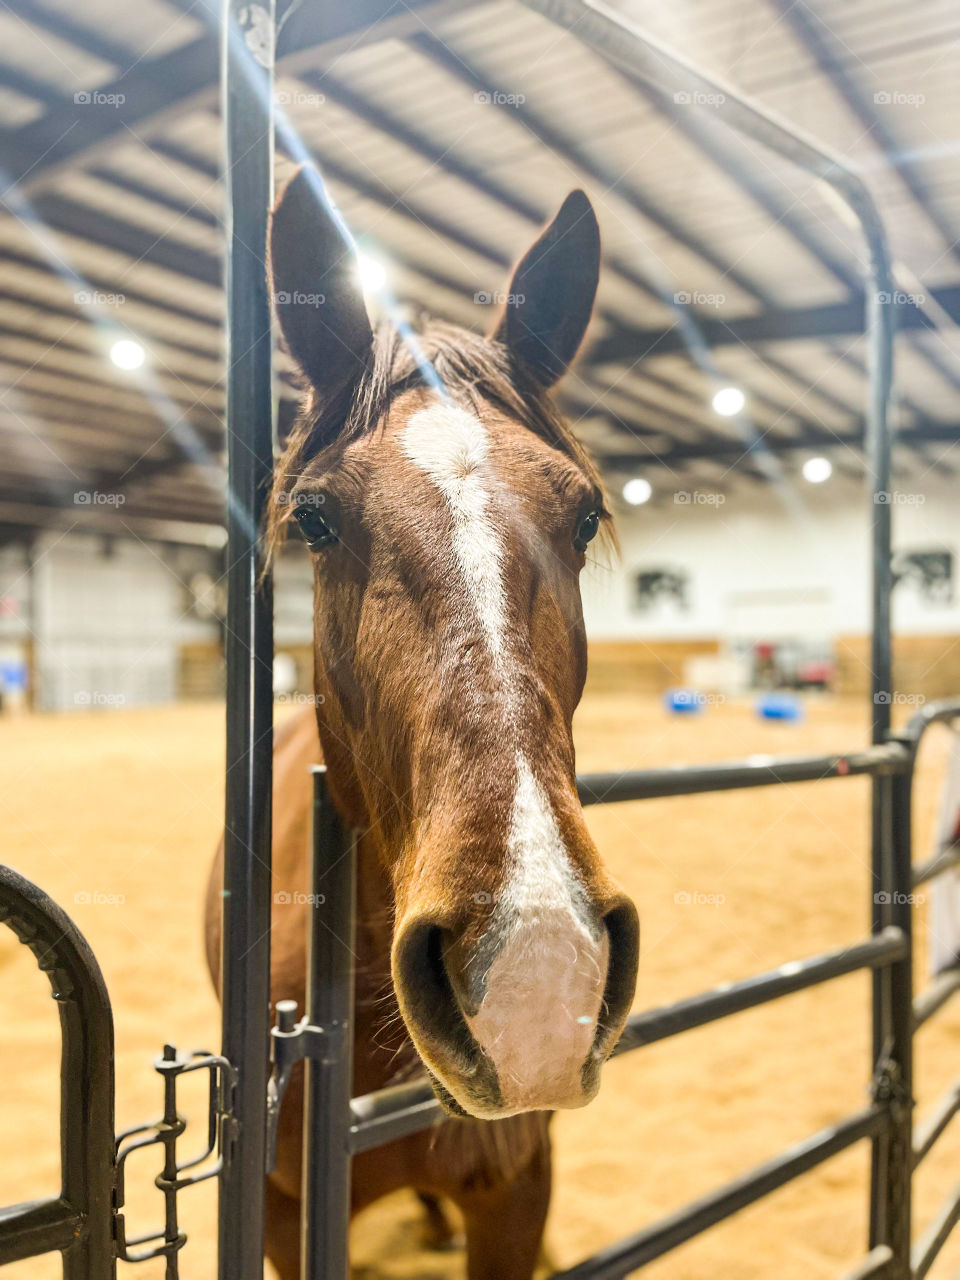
(128, 805)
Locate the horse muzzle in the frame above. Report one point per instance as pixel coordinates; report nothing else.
(521, 1014)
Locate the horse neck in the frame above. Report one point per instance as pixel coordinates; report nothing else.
(384, 1052)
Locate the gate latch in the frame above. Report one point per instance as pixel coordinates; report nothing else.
(175, 1175)
(290, 1042)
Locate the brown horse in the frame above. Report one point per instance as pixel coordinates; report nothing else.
(448, 508)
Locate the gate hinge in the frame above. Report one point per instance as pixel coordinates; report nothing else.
(290, 1042)
(888, 1088)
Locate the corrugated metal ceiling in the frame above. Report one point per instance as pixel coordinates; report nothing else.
(449, 188)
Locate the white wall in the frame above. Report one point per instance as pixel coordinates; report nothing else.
(108, 618)
(751, 560)
(105, 618)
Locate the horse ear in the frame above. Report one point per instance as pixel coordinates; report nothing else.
(316, 292)
(550, 297)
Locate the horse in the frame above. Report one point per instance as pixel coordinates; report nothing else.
(448, 508)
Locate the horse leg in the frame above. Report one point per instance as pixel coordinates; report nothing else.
(282, 1232)
(438, 1232)
(504, 1223)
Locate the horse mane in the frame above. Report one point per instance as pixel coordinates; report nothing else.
(474, 372)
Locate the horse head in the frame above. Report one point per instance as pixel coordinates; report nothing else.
(448, 509)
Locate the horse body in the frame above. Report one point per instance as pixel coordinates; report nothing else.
(448, 509)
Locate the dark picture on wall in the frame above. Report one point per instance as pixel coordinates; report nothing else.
(929, 573)
(653, 587)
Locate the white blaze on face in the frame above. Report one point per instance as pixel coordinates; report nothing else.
(542, 879)
(544, 989)
(451, 446)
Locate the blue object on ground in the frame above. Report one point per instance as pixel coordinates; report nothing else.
(779, 706)
(684, 702)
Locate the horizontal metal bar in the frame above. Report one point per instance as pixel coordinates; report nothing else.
(757, 771)
(397, 1112)
(38, 1226)
(941, 1115)
(393, 1113)
(936, 995)
(877, 1265)
(945, 858)
(637, 1250)
(658, 1024)
(944, 712)
(924, 1253)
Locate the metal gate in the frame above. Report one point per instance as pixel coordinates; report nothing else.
(336, 1127)
(85, 1222)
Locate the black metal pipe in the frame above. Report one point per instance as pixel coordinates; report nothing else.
(892, 1154)
(947, 857)
(760, 771)
(944, 985)
(404, 1109)
(935, 1237)
(895, 1016)
(86, 1092)
(943, 712)
(388, 1114)
(39, 1226)
(614, 36)
(328, 1080)
(611, 34)
(880, 952)
(941, 1115)
(248, 636)
(877, 1265)
(636, 1251)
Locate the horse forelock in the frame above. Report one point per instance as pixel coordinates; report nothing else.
(476, 373)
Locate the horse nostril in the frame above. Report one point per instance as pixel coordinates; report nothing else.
(427, 996)
(466, 962)
(623, 930)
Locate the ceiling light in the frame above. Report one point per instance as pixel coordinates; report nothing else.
(127, 354)
(372, 273)
(816, 470)
(637, 491)
(728, 401)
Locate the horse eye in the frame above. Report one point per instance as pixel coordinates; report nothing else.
(317, 532)
(586, 530)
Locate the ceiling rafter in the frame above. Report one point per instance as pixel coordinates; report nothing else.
(926, 432)
(780, 324)
(713, 144)
(820, 43)
(36, 151)
(656, 405)
(457, 65)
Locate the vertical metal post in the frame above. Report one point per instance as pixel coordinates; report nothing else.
(328, 1080)
(888, 1046)
(248, 44)
(615, 36)
(892, 1157)
(880, 313)
(900, 1169)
